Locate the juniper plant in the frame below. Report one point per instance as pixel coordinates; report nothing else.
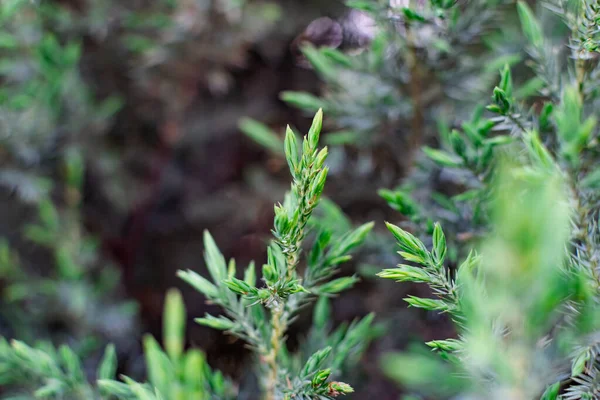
(261, 315)
(528, 306)
(75, 291)
(510, 302)
(44, 371)
(44, 100)
(173, 373)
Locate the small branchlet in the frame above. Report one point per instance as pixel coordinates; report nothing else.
(172, 373)
(261, 315)
(431, 271)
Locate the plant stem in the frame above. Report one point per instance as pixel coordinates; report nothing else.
(309, 176)
(306, 206)
(279, 328)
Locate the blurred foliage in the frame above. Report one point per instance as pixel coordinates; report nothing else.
(424, 61)
(173, 374)
(44, 104)
(525, 307)
(74, 291)
(50, 373)
(55, 117)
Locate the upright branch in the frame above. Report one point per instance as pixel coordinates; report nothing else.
(306, 167)
(260, 315)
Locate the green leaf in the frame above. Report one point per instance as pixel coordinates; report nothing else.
(445, 345)
(320, 158)
(262, 135)
(340, 387)
(473, 134)
(303, 100)
(322, 313)
(315, 361)
(530, 25)
(318, 184)
(174, 324)
(115, 388)
(217, 267)
(351, 240)
(220, 323)
(400, 201)
(231, 269)
(341, 138)
(502, 100)
(412, 15)
(406, 273)
(320, 62)
(442, 158)
(551, 393)
(338, 285)
(500, 140)
(369, 6)
(427, 304)
(270, 274)
(568, 114)
(439, 244)
(320, 377)
(337, 56)
(200, 283)
(194, 369)
(161, 372)
(239, 286)
(53, 388)
(545, 114)
(506, 81)
(250, 274)
(72, 363)
(579, 363)
(468, 195)
(573, 132)
(458, 143)
(408, 243)
(292, 151)
(315, 129)
(108, 366)
(537, 151)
